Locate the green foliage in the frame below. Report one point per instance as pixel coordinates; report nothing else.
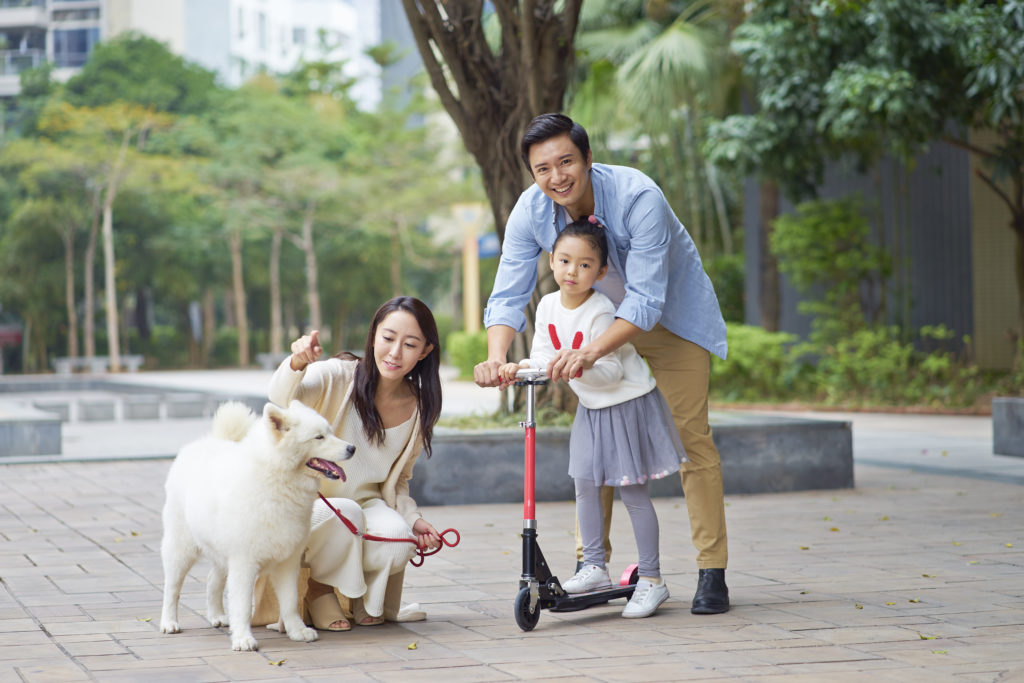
(167, 347)
(727, 273)
(873, 366)
(759, 366)
(465, 350)
(135, 68)
(825, 250)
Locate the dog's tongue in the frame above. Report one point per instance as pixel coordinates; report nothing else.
(326, 468)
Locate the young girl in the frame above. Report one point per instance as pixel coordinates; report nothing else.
(623, 433)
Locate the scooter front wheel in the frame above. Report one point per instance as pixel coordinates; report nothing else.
(526, 618)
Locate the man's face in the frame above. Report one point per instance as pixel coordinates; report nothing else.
(561, 172)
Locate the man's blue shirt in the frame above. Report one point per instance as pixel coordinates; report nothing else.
(664, 278)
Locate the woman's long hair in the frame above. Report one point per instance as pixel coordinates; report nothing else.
(424, 380)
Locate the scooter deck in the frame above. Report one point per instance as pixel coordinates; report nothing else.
(572, 602)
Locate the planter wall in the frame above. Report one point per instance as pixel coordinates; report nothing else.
(760, 454)
(1008, 426)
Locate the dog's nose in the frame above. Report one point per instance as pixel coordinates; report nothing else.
(350, 449)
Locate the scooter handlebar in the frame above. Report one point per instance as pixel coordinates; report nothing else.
(531, 376)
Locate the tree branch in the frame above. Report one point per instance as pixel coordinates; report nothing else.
(421, 31)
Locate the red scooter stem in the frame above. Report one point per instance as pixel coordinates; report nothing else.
(529, 482)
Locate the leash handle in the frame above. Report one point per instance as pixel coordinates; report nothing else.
(420, 555)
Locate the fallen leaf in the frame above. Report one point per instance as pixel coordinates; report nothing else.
(889, 602)
(827, 518)
(859, 606)
(914, 600)
(489, 524)
(972, 562)
(940, 652)
(804, 547)
(1009, 545)
(995, 514)
(957, 543)
(144, 618)
(279, 662)
(884, 518)
(804, 592)
(928, 576)
(945, 453)
(411, 646)
(835, 528)
(924, 637)
(134, 533)
(118, 540)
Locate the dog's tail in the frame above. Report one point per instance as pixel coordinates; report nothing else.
(232, 421)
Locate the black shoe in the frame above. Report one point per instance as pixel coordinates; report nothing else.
(712, 596)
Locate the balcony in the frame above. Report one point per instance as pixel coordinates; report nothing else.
(22, 13)
(13, 62)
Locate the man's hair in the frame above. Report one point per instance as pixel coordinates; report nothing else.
(547, 126)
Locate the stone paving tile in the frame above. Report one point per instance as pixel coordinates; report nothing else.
(76, 569)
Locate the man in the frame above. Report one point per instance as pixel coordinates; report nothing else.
(667, 309)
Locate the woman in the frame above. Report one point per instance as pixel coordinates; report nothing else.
(385, 404)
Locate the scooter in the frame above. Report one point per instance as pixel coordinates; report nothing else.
(538, 588)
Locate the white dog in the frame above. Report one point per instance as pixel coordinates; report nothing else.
(243, 499)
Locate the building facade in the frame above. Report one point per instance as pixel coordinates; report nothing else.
(236, 39)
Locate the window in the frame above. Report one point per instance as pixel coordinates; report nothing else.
(76, 14)
(241, 23)
(72, 48)
(299, 35)
(261, 28)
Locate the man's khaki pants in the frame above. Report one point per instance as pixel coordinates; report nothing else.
(681, 369)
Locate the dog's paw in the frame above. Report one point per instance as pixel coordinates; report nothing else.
(304, 634)
(169, 627)
(217, 619)
(244, 644)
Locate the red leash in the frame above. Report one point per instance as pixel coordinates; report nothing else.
(420, 553)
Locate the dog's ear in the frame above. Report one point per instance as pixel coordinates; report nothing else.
(277, 419)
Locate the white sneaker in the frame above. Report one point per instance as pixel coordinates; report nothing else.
(590, 578)
(646, 598)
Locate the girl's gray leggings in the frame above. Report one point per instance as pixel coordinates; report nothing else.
(641, 515)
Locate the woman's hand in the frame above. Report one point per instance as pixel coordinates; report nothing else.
(426, 535)
(305, 350)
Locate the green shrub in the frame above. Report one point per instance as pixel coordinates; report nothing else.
(727, 273)
(759, 366)
(466, 349)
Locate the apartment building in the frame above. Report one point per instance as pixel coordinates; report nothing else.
(236, 39)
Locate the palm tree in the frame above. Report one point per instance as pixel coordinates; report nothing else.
(653, 72)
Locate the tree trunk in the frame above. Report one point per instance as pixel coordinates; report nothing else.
(276, 327)
(110, 285)
(769, 296)
(69, 290)
(312, 274)
(492, 96)
(89, 285)
(238, 290)
(209, 325)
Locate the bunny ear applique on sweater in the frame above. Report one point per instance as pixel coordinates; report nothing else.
(553, 333)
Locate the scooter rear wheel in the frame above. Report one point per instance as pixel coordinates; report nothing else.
(525, 618)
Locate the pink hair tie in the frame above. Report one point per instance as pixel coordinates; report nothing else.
(592, 219)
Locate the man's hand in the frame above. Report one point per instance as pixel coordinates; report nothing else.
(305, 350)
(570, 363)
(488, 374)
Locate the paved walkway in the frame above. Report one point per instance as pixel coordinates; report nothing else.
(917, 574)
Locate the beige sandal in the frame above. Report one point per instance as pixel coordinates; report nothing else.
(325, 612)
